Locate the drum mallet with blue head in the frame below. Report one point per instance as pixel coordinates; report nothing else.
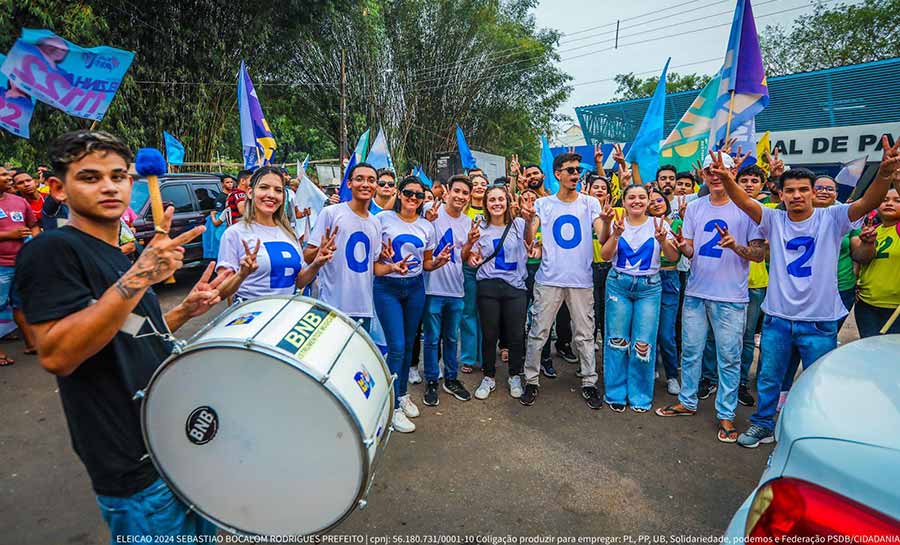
(149, 163)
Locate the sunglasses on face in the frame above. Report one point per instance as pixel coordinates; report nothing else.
(825, 188)
(385, 183)
(409, 194)
(571, 170)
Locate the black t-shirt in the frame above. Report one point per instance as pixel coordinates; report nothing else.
(221, 199)
(57, 274)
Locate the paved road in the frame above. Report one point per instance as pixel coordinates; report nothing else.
(492, 467)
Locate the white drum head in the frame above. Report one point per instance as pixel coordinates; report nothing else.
(266, 415)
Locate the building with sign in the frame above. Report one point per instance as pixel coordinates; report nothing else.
(819, 120)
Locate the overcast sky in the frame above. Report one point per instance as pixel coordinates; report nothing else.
(680, 26)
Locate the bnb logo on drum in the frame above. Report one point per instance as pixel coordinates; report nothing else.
(202, 425)
(365, 382)
(309, 326)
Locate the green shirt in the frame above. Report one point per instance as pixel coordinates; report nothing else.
(845, 274)
(663, 262)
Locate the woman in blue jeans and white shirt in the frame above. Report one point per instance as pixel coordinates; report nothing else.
(633, 295)
(408, 241)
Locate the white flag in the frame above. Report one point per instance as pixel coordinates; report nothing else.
(852, 172)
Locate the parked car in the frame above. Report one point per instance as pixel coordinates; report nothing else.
(192, 194)
(835, 471)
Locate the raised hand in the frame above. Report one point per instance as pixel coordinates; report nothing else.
(527, 212)
(890, 159)
(327, 247)
(205, 294)
(248, 264)
(598, 158)
(869, 233)
(719, 169)
(618, 226)
(387, 252)
(535, 250)
(680, 242)
(514, 207)
(660, 231)
(475, 257)
(443, 257)
(160, 259)
(474, 234)
(334, 199)
(727, 240)
(402, 266)
(776, 165)
(728, 145)
(432, 213)
(740, 157)
(607, 214)
(515, 168)
(619, 156)
(682, 206)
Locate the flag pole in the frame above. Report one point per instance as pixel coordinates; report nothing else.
(730, 113)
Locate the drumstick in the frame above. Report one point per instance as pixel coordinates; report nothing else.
(150, 163)
(890, 321)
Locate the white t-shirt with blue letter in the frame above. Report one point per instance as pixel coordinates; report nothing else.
(638, 250)
(509, 263)
(448, 280)
(718, 274)
(407, 239)
(566, 239)
(280, 259)
(346, 281)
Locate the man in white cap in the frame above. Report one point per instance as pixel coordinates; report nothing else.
(720, 240)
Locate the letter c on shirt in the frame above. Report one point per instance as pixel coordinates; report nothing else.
(355, 265)
(567, 244)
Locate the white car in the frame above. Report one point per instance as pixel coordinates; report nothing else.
(836, 468)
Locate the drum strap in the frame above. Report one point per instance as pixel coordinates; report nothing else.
(135, 323)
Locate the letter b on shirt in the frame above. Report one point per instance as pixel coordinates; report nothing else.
(285, 264)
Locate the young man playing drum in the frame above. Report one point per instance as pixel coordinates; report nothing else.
(94, 315)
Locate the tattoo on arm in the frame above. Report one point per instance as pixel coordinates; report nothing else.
(756, 251)
(141, 274)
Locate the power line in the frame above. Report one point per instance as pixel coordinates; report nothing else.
(644, 15)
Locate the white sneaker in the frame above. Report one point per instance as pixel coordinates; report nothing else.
(401, 423)
(414, 376)
(673, 387)
(485, 388)
(409, 408)
(515, 387)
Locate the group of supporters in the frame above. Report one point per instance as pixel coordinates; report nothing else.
(482, 270)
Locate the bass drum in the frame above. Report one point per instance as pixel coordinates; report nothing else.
(272, 419)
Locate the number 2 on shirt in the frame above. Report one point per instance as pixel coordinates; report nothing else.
(798, 266)
(882, 250)
(711, 248)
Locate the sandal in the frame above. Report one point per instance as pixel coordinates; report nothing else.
(30, 351)
(6, 360)
(727, 435)
(467, 369)
(671, 410)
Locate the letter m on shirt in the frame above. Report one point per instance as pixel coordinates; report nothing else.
(642, 257)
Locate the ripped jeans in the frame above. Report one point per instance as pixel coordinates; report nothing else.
(629, 353)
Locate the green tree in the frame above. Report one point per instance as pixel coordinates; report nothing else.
(831, 37)
(631, 86)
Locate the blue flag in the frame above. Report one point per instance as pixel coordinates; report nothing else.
(465, 154)
(256, 138)
(77, 80)
(420, 174)
(16, 107)
(362, 147)
(174, 149)
(550, 181)
(645, 148)
(344, 192)
(380, 155)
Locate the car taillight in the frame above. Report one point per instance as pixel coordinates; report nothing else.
(791, 507)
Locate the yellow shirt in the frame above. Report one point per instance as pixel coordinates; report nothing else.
(473, 212)
(620, 212)
(759, 272)
(879, 280)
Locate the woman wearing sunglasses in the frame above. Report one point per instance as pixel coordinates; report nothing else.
(633, 293)
(671, 292)
(408, 241)
(499, 260)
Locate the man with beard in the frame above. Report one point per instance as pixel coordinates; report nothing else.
(534, 178)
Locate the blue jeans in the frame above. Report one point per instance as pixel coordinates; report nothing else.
(7, 324)
(399, 303)
(780, 337)
(848, 297)
(441, 321)
(154, 511)
(757, 295)
(702, 318)
(469, 326)
(632, 318)
(668, 315)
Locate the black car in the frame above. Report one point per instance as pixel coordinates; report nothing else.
(193, 195)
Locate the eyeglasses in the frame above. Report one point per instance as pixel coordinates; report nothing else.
(825, 189)
(409, 194)
(571, 170)
(383, 183)
(359, 179)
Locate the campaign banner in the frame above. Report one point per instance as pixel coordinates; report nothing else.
(16, 107)
(77, 80)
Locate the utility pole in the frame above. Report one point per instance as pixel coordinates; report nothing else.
(343, 111)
